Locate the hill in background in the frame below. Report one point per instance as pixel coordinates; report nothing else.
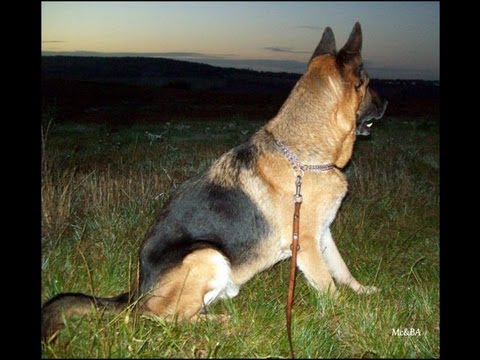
(126, 90)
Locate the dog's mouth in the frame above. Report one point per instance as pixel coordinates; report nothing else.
(363, 128)
(365, 122)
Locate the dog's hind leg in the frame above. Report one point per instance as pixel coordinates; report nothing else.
(187, 289)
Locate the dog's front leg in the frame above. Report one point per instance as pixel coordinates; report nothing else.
(311, 263)
(337, 266)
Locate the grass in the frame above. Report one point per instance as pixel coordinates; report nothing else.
(100, 193)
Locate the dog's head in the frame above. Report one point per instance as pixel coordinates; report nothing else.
(347, 81)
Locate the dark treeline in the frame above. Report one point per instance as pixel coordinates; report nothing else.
(133, 89)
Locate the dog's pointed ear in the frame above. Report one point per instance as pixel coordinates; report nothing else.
(354, 42)
(352, 48)
(326, 45)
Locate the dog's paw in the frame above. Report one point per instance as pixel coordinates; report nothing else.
(367, 290)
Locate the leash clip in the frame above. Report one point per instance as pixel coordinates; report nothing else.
(298, 185)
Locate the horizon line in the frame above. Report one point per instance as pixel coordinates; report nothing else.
(259, 65)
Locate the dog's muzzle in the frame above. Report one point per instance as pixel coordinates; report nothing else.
(374, 111)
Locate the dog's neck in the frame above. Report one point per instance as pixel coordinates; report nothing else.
(315, 123)
(313, 128)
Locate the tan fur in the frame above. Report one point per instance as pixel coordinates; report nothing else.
(180, 293)
(320, 100)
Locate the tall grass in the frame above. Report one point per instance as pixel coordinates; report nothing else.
(102, 189)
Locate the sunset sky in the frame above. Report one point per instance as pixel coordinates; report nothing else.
(401, 39)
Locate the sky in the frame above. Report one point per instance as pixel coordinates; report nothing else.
(401, 40)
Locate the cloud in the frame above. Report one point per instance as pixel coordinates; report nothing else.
(284, 50)
(309, 27)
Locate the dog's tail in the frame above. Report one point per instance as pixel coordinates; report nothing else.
(69, 304)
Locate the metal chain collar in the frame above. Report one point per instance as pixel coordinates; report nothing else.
(297, 165)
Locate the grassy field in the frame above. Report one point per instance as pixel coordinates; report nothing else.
(102, 189)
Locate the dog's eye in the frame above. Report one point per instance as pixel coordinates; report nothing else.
(359, 85)
(361, 77)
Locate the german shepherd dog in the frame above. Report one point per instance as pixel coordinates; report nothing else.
(222, 228)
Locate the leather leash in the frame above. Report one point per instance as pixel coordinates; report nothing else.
(299, 170)
(293, 270)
